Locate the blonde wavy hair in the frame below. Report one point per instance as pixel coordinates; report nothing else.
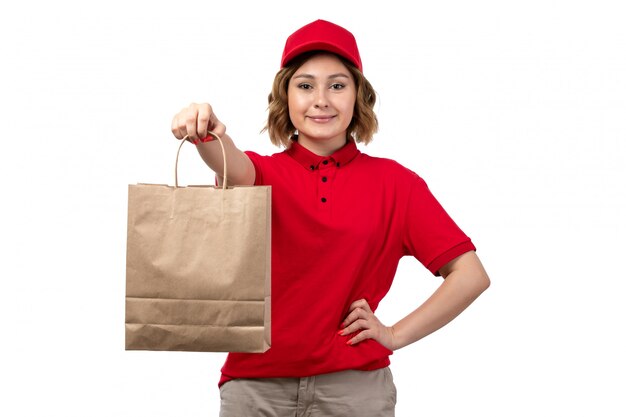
(279, 127)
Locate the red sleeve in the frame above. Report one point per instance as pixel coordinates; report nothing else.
(431, 235)
(257, 162)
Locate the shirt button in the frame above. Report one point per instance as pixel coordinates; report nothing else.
(325, 162)
(312, 167)
(323, 199)
(324, 179)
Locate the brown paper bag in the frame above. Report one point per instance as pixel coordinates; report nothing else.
(198, 267)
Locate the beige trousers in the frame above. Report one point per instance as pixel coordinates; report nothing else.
(339, 394)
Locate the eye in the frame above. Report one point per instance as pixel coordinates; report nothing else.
(305, 86)
(337, 86)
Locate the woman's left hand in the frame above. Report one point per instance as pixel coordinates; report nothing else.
(360, 317)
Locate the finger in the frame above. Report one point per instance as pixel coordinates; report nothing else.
(362, 303)
(360, 324)
(357, 313)
(191, 122)
(178, 129)
(217, 127)
(361, 336)
(203, 120)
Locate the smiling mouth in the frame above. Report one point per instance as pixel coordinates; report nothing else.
(321, 119)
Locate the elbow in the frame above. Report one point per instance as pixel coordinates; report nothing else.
(481, 282)
(485, 282)
(477, 282)
(481, 279)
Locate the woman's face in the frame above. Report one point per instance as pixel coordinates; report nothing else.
(321, 97)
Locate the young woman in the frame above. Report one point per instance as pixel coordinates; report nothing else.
(341, 221)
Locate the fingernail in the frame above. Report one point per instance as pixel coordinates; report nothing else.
(340, 332)
(349, 342)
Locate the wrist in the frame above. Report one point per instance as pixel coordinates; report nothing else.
(395, 345)
(208, 138)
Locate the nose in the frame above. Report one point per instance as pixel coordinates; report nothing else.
(321, 100)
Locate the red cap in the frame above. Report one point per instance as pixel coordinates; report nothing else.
(322, 36)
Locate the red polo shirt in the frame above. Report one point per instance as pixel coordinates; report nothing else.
(340, 225)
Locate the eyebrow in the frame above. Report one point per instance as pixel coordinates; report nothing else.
(311, 77)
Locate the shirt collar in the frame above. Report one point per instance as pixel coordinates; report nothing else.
(311, 161)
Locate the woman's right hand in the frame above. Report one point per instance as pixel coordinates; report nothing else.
(195, 121)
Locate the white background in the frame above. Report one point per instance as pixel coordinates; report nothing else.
(513, 112)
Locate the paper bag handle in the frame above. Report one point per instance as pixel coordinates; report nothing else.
(223, 155)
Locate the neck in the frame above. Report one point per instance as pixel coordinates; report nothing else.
(322, 148)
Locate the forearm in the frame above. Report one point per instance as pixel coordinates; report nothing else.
(459, 289)
(240, 170)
